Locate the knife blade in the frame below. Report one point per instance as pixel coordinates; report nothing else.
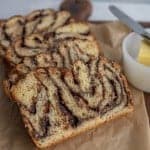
(131, 23)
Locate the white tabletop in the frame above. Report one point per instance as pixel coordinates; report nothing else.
(137, 9)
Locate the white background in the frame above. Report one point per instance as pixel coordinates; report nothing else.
(138, 10)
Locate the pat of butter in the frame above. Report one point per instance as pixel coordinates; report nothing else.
(144, 54)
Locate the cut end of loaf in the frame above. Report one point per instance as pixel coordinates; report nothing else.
(58, 104)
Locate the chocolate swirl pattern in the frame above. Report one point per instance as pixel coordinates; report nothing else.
(61, 50)
(39, 21)
(45, 39)
(64, 99)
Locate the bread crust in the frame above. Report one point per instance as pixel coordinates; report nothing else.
(87, 126)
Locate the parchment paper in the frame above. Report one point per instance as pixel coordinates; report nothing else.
(127, 133)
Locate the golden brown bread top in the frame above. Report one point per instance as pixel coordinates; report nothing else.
(39, 21)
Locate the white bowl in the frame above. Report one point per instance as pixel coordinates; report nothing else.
(137, 74)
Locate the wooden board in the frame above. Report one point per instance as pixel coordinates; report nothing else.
(147, 102)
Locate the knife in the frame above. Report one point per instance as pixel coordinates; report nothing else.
(131, 23)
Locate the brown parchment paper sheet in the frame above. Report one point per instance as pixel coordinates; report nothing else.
(127, 133)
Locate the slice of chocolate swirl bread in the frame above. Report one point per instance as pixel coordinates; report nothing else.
(44, 36)
(58, 103)
(60, 50)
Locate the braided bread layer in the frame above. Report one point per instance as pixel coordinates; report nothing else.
(39, 21)
(61, 50)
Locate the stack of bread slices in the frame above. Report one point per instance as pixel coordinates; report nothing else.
(58, 79)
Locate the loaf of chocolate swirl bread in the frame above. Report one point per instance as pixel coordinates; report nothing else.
(60, 83)
(59, 103)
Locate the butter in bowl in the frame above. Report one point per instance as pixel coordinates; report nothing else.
(144, 53)
(136, 61)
